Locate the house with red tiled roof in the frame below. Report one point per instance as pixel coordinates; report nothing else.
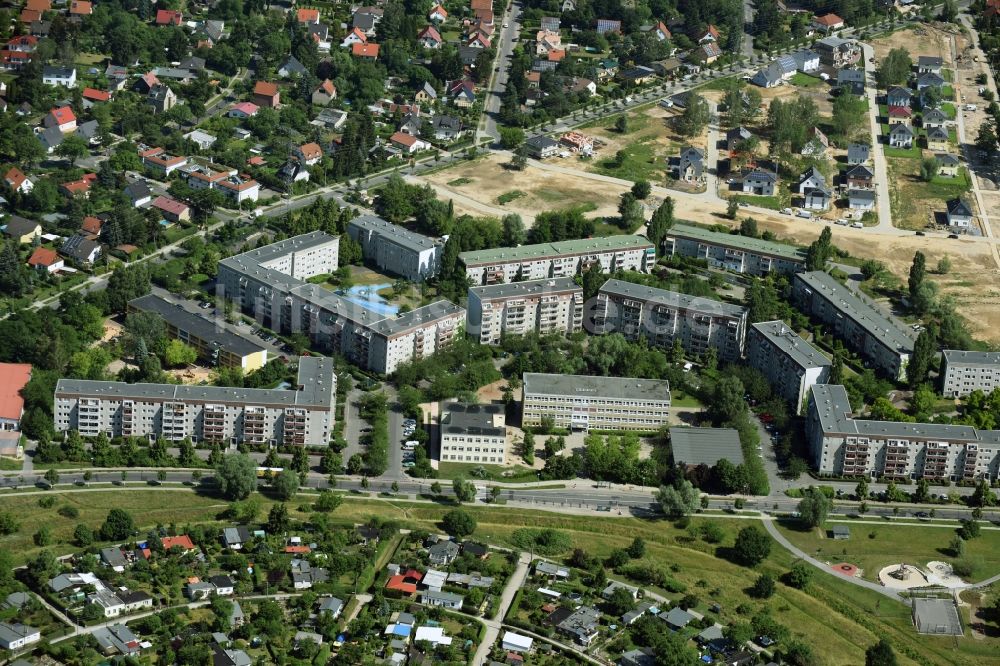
(369, 51)
(429, 38)
(439, 14)
(325, 93)
(145, 83)
(77, 187)
(39, 5)
(46, 259)
(95, 95)
(62, 118)
(828, 23)
(243, 110)
(900, 114)
(23, 43)
(173, 210)
(239, 188)
(266, 94)
(309, 153)
(12, 61)
(169, 17)
(298, 550)
(92, 225)
(29, 16)
(164, 162)
(307, 15)
(17, 181)
(355, 36)
(182, 541)
(555, 55)
(404, 583)
(81, 8)
(661, 31)
(407, 143)
(13, 378)
(479, 41)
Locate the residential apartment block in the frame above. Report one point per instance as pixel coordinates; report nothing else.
(395, 249)
(552, 305)
(963, 372)
(204, 413)
(628, 252)
(214, 343)
(844, 446)
(877, 338)
(269, 283)
(473, 433)
(580, 402)
(792, 365)
(661, 317)
(740, 254)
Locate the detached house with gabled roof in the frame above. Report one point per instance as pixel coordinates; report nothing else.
(931, 118)
(828, 23)
(463, 94)
(266, 94)
(61, 118)
(366, 51)
(959, 213)
(929, 80)
(17, 181)
(860, 176)
(429, 38)
(309, 153)
(325, 93)
(948, 164)
(937, 139)
(438, 14)
(929, 64)
(862, 200)
(900, 114)
(22, 230)
(901, 136)
(59, 76)
(759, 182)
(691, 164)
(898, 96)
(169, 17)
(46, 259)
(858, 153)
(355, 36)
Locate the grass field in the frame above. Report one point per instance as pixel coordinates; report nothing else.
(897, 543)
(805, 81)
(515, 474)
(507, 197)
(640, 162)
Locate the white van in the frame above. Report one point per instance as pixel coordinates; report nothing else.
(411, 444)
(858, 225)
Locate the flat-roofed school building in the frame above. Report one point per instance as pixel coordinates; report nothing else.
(580, 402)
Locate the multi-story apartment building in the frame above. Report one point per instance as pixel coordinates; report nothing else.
(395, 249)
(740, 254)
(966, 371)
(628, 252)
(580, 402)
(877, 338)
(791, 365)
(270, 284)
(204, 413)
(473, 433)
(214, 342)
(661, 316)
(552, 305)
(844, 446)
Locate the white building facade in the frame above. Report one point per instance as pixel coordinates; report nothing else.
(579, 402)
(553, 305)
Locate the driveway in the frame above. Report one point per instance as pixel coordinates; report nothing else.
(494, 626)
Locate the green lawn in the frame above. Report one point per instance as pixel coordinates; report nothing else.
(803, 80)
(912, 152)
(718, 84)
(916, 545)
(949, 110)
(639, 162)
(507, 197)
(514, 474)
(773, 202)
(949, 188)
(10, 465)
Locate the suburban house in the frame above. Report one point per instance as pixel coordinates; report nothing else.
(291, 67)
(937, 139)
(161, 98)
(760, 182)
(898, 96)
(430, 38)
(234, 538)
(934, 118)
(901, 136)
(691, 165)
(443, 552)
(446, 128)
(948, 164)
(959, 213)
(81, 249)
(325, 93)
(900, 115)
(367, 51)
(266, 94)
(816, 198)
(243, 110)
(929, 65)
(17, 181)
(836, 52)
(863, 200)
(736, 136)
(929, 80)
(851, 80)
(59, 76)
(711, 34)
(407, 143)
(811, 177)
(46, 259)
(61, 118)
(542, 147)
(22, 230)
(582, 625)
(14, 635)
(308, 153)
(707, 53)
(139, 193)
(438, 14)
(827, 23)
(442, 599)
(203, 140)
(860, 176)
(171, 209)
(858, 153)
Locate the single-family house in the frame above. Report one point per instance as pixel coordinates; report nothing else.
(325, 93)
(438, 14)
(929, 65)
(901, 136)
(512, 642)
(59, 76)
(15, 636)
(306, 15)
(81, 249)
(736, 136)
(78, 187)
(711, 34)
(443, 552)
(827, 23)
(243, 110)
(840, 532)
(638, 75)
(139, 192)
(931, 118)
(446, 128)
(407, 143)
(291, 66)
(582, 625)
(706, 53)
(355, 36)
(948, 164)
(50, 138)
(959, 213)
(860, 177)
(17, 181)
(331, 605)
(93, 96)
(425, 94)
(308, 153)
(293, 171)
(22, 230)
(862, 200)
(937, 139)
(442, 599)
(811, 177)
(898, 96)
(203, 140)
(858, 153)
(46, 259)
(161, 98)
(366, 51)
(691, 164)
(608, 25)
(816, 198)
(266, 94)
(463, 94)
(929, 80)
(806, 60)
(676, 618)
(542, 147)
(332, 118)
(760, 182)
(429, 38)
(173, 211)
(169, 17)
(61, 118)
(852, 81)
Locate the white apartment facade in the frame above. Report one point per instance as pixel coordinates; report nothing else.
(303, 417)
(551, 305)
(395, 249)
(963, 372)
(580, 402)
(791, 365)
(629, 252)
(661, 317)
(269, 283)
(473, 433)
(844, 446)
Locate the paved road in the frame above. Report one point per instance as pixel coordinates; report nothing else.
(494, 626)
(882, 203)
(498, 78)
(353, 424)
(712, 172)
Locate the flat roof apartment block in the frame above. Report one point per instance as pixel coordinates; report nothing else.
(963, 372)
(301, 417)
(580, 402)
(660, 316)
(395, 249)
(560, 259)
(473, 433)
(791, 365)
(214, 342)
(269, 283)
(842, 445)
(550, 305)
(877, 338)
(740, 254)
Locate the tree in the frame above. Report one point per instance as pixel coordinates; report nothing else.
(949, 11)
(436, 488)
(660, 223)
(621, 124)
(513, 230)
(819, 251)
(236, 476)
(117, 526)
(286, 484)
(179, 354)
(52, 476)
(73, 147)
(511, 137)
(748, 227)
(880, 654)
(696, 115)
(918, 271)
(894, 68)
(620, 602)
(630, 210)
(752, 546)
(763, 587)
(929, 168)
(465, 491)
(83, 536)
(637, 550)
(679, 499)
(277, 519)
(944, 265)
(800, 575)
(982, 495)
(813, 507)
(458, 523)
(328, 502)
(924, 351)
(861, 490)
(732, 209)
(641, 189)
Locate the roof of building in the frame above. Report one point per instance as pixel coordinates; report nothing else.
(542, 250)
(527, 288)
(621, 388)
(959, 207)
(677, 617)
(791, 345)
(315, 379)
(971, 357)
(877, 324)
(705, 446)
(460, 418)
(392, 233)
(947, 159)
(860, 195)
(265, 88)
(18, 226)
(937, 134)
(858, 151)
(746, 243)
(43, 256)
(929, 61)
(183, 541)
(670, 299)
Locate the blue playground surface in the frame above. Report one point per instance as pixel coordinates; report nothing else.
(367, 296)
